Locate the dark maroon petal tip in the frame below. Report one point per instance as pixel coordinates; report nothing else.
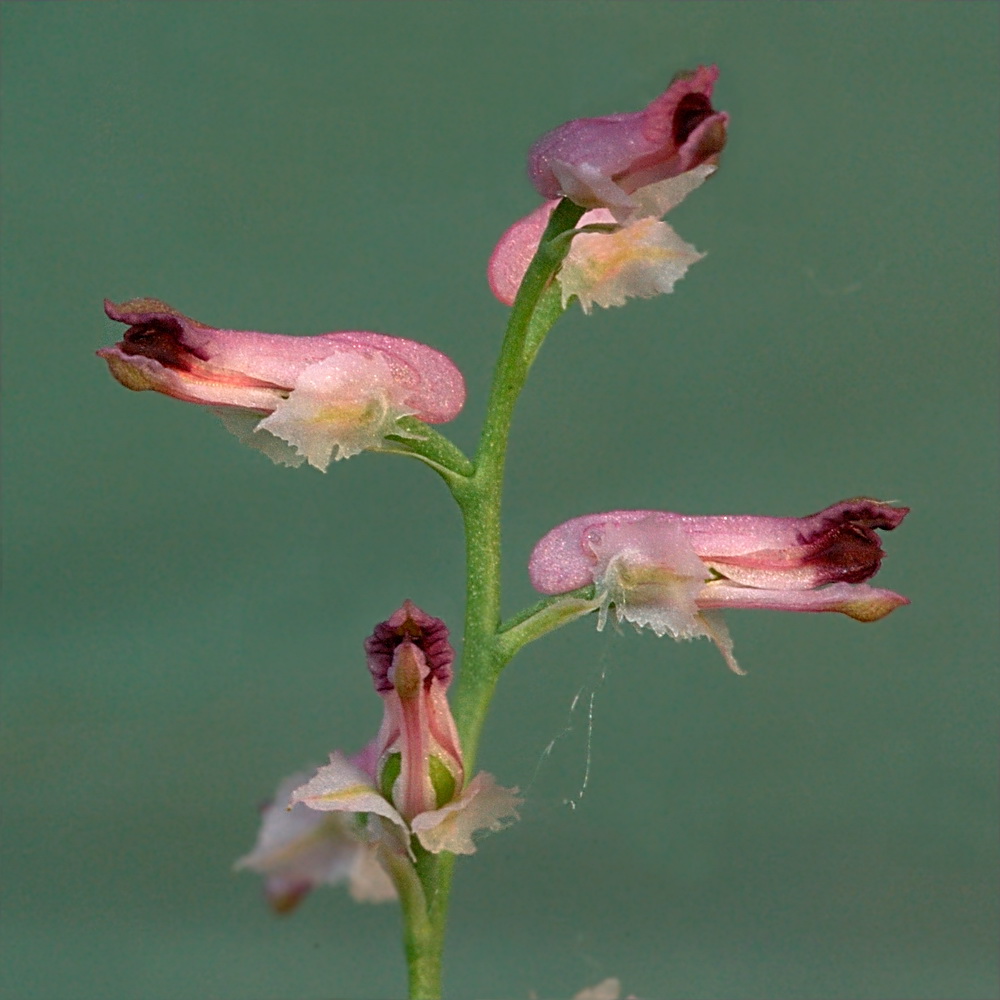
(155, 331)
(843, 540)
(139, 311)
(865, 512)
(409, 624)
(692, 109)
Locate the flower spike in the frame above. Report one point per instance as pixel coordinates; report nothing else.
(297, 399)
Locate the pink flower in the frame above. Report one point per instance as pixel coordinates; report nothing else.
(601, 162)
(416, 784)
(671, 572)
(418, 755)
(294, 398)
(298, 849)
(629, 170)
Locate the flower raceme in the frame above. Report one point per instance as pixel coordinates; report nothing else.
(673, 572)
(629, 170)
(296, 399)
(355, 818)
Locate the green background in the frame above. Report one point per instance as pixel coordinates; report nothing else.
(184, 620)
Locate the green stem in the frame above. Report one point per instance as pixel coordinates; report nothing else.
(432, 448)
(423, 957)
(537, 306)
(477, 490)
(544, 617)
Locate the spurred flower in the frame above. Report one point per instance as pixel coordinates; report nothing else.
(671, 572)
(416, 785)
(298, 849)
(602, 162)
(297, 399)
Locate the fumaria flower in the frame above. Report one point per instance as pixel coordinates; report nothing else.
(672, 572)
(298, 849)
(629, 170)
(294, 398)
(416, 784)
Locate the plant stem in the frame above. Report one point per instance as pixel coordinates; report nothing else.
(431, 447)
(478, 493)
(423, 958)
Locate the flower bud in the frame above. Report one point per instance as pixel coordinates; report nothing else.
(419, 757)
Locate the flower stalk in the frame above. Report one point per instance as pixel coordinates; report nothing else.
(483, 654)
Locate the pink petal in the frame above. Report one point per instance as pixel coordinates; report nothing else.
(860, 601)
(674, 133)
(514, 251)
(410, 657)
(409, 622)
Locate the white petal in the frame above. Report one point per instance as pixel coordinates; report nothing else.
(718, 631)
(651, 573)
(657, 199)
(606, 989)
(483, 805)
(245, 424)
(588, 186)
(640, 260)
(299, 848)
(341, 786)
(369, 882)
(339, 407)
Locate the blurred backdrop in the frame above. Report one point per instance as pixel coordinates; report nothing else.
(184, 620)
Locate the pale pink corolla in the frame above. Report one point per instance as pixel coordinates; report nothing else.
(672, 572)
(602, 162)
(298, 849)
(297, 399)
(416, 785)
